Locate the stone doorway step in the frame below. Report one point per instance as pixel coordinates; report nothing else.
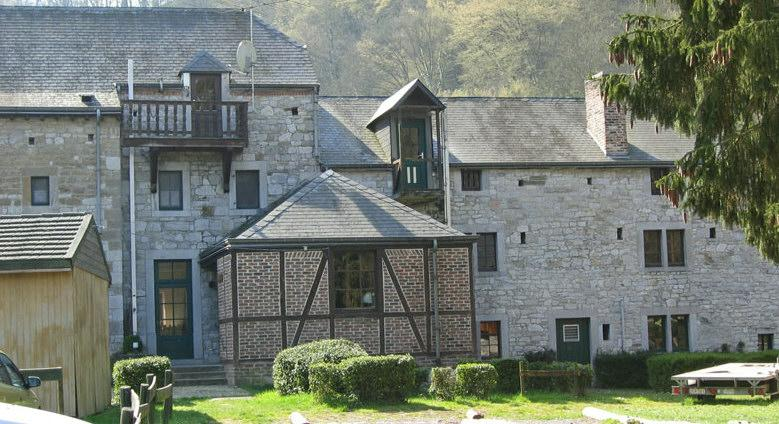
(190, 373)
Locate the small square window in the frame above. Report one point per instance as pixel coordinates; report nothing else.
(589, 180)
(619, 233)
(486, 251)
(31, 141)
(712, 232)
(606, 331)
(90, 137)
(654, 175)
(247, 189)
(765, 341)
(294, 111)
(40, 194)
(171, 193)
(471, 179)
(520, 182)
(489, 341)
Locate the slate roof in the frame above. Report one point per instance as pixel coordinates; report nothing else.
(334, 208)
(397, 98)
(204, 62)
(497, 132)
(48, 52)
(47, 241)
(343, 136)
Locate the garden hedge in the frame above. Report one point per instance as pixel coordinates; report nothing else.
(364, 379)
(132, 372)
(661, 367)
(443, 383)
(508, 374)
(477, 380)
(622, 370)
(290, 368)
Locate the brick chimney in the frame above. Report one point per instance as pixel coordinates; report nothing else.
(604, 123)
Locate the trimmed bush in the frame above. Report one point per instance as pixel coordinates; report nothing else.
(623, 370)
(443, 383)
(544, 355)
(132, 372)
(421, 377)
(661, 367)
(508, 374)
(364, 379)
(290, 368)
(477, 380)
(559, 384)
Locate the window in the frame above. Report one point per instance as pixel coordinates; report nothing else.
(606, 331)
(652, 248)
(31, 141)
(712, 232)
(39, 191)
(355, 279)
(765, 342)
(589, 180)
(486, 252)
(619, 233)
(680, 333)
(171, 191)
(656, 333)
(571, 333)
(247, 189)
(471, 179)
(675, 244)
(654, 175)
(664, 248)
(490, 339)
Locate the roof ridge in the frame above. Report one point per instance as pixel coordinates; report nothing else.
(45, 215)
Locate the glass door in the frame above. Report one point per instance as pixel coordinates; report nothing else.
(206, 107)
(173, 286)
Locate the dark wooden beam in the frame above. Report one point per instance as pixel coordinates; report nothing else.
(227, 163)
(185, 143)
(154, 155)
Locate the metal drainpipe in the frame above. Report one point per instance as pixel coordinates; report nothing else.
(98, 190)
(622, 324)
(133, 276)
(316, 123)
(436, 321)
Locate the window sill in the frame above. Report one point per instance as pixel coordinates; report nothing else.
(159, 213)
(652, 270)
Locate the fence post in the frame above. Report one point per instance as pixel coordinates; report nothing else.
(124, 397)
(126, 416)
(60, 395)
(521, 378)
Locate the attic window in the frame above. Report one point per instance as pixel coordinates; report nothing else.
(89, 99)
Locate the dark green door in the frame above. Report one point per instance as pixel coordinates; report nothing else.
(573, 340)
(173, 286)
(413, 148)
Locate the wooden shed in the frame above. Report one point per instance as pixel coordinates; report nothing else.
(54, 305)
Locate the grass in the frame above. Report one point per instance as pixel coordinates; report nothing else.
(265, 406)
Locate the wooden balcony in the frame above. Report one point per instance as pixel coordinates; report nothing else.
(184, 124)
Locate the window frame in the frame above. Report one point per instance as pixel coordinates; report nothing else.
(181, 190)
(479, 265)
(470, 175)
(258, 189)
(664, 250)
(45, 178)
(655, 174)
(673, 335)
(664, 327)
(497, 335)
(765, 341)
(377, 281)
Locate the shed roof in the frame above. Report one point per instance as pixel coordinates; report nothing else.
(45, 242)
(490, 131)
(58, 50)
(332, 209)
(204, 61)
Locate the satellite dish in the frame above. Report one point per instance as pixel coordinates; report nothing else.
(245, 56)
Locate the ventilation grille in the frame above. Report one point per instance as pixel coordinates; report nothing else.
(571, 333)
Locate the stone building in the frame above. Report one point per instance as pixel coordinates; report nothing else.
(208, 188)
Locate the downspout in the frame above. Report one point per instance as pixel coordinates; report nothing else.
(447, 180)
(315, 97)
(98, 189)
(436, 321)
(622, 325)
(133, 276)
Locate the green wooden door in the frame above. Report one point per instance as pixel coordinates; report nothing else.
(573, 340)
(413, 148)
(173, 286)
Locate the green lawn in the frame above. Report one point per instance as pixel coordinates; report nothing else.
(265, 406)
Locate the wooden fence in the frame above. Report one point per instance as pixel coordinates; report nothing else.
(575, 374)
(139, 408)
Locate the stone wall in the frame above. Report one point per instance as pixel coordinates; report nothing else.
(401, 324)
(280, 146)
(63, 148)
(573, 265)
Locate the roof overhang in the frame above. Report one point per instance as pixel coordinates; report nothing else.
(534, 165)
(57, 111)
(232, 245)
(36, 265)
(397, 100)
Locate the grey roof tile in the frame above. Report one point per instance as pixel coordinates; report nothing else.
(332, 206)
(41, 237)
(49, 50)
(343, 136)
(204, 62)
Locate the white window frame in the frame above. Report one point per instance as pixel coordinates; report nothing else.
(186, 189)
(664, 248)
(578, 333)
(262, 168)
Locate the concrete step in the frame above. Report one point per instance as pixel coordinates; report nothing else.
(183, 369)
(219, 381)
(199, 375)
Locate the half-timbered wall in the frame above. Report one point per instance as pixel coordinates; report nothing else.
(270, 300)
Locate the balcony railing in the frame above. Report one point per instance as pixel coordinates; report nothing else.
(184, 123)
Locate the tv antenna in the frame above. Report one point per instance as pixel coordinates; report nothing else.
(246, 54)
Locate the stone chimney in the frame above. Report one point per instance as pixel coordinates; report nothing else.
(604, 123)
